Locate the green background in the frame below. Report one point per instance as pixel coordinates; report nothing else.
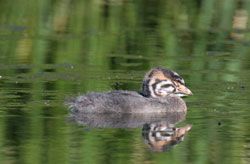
(54, 49)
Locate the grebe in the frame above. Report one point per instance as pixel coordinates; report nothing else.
(162, 90)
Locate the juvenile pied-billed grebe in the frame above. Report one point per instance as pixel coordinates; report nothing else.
(161, 92)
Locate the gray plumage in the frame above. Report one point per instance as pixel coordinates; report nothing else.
(125, 102)
(122, 120)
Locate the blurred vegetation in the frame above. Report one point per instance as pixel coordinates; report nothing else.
(52, 49)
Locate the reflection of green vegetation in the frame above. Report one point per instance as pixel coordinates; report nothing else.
(86, 39)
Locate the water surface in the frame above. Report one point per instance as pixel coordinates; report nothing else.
(50, 51)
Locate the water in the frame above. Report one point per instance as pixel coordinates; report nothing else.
(50, 51)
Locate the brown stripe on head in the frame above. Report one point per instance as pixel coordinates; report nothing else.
(165, 74)
(157, 73)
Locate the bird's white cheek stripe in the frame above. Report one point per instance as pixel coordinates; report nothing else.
(151, 88)
(158, 89)
(163, 91)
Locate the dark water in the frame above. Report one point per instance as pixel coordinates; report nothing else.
(52, 50)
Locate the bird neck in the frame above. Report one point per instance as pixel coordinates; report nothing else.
(145, 89)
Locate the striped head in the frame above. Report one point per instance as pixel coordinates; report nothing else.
(160, 82)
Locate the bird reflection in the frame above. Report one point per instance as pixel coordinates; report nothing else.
(159, 131)
(162, 136)
(103, 120)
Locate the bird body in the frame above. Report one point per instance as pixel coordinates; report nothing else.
(126, 102)
(162, 90)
